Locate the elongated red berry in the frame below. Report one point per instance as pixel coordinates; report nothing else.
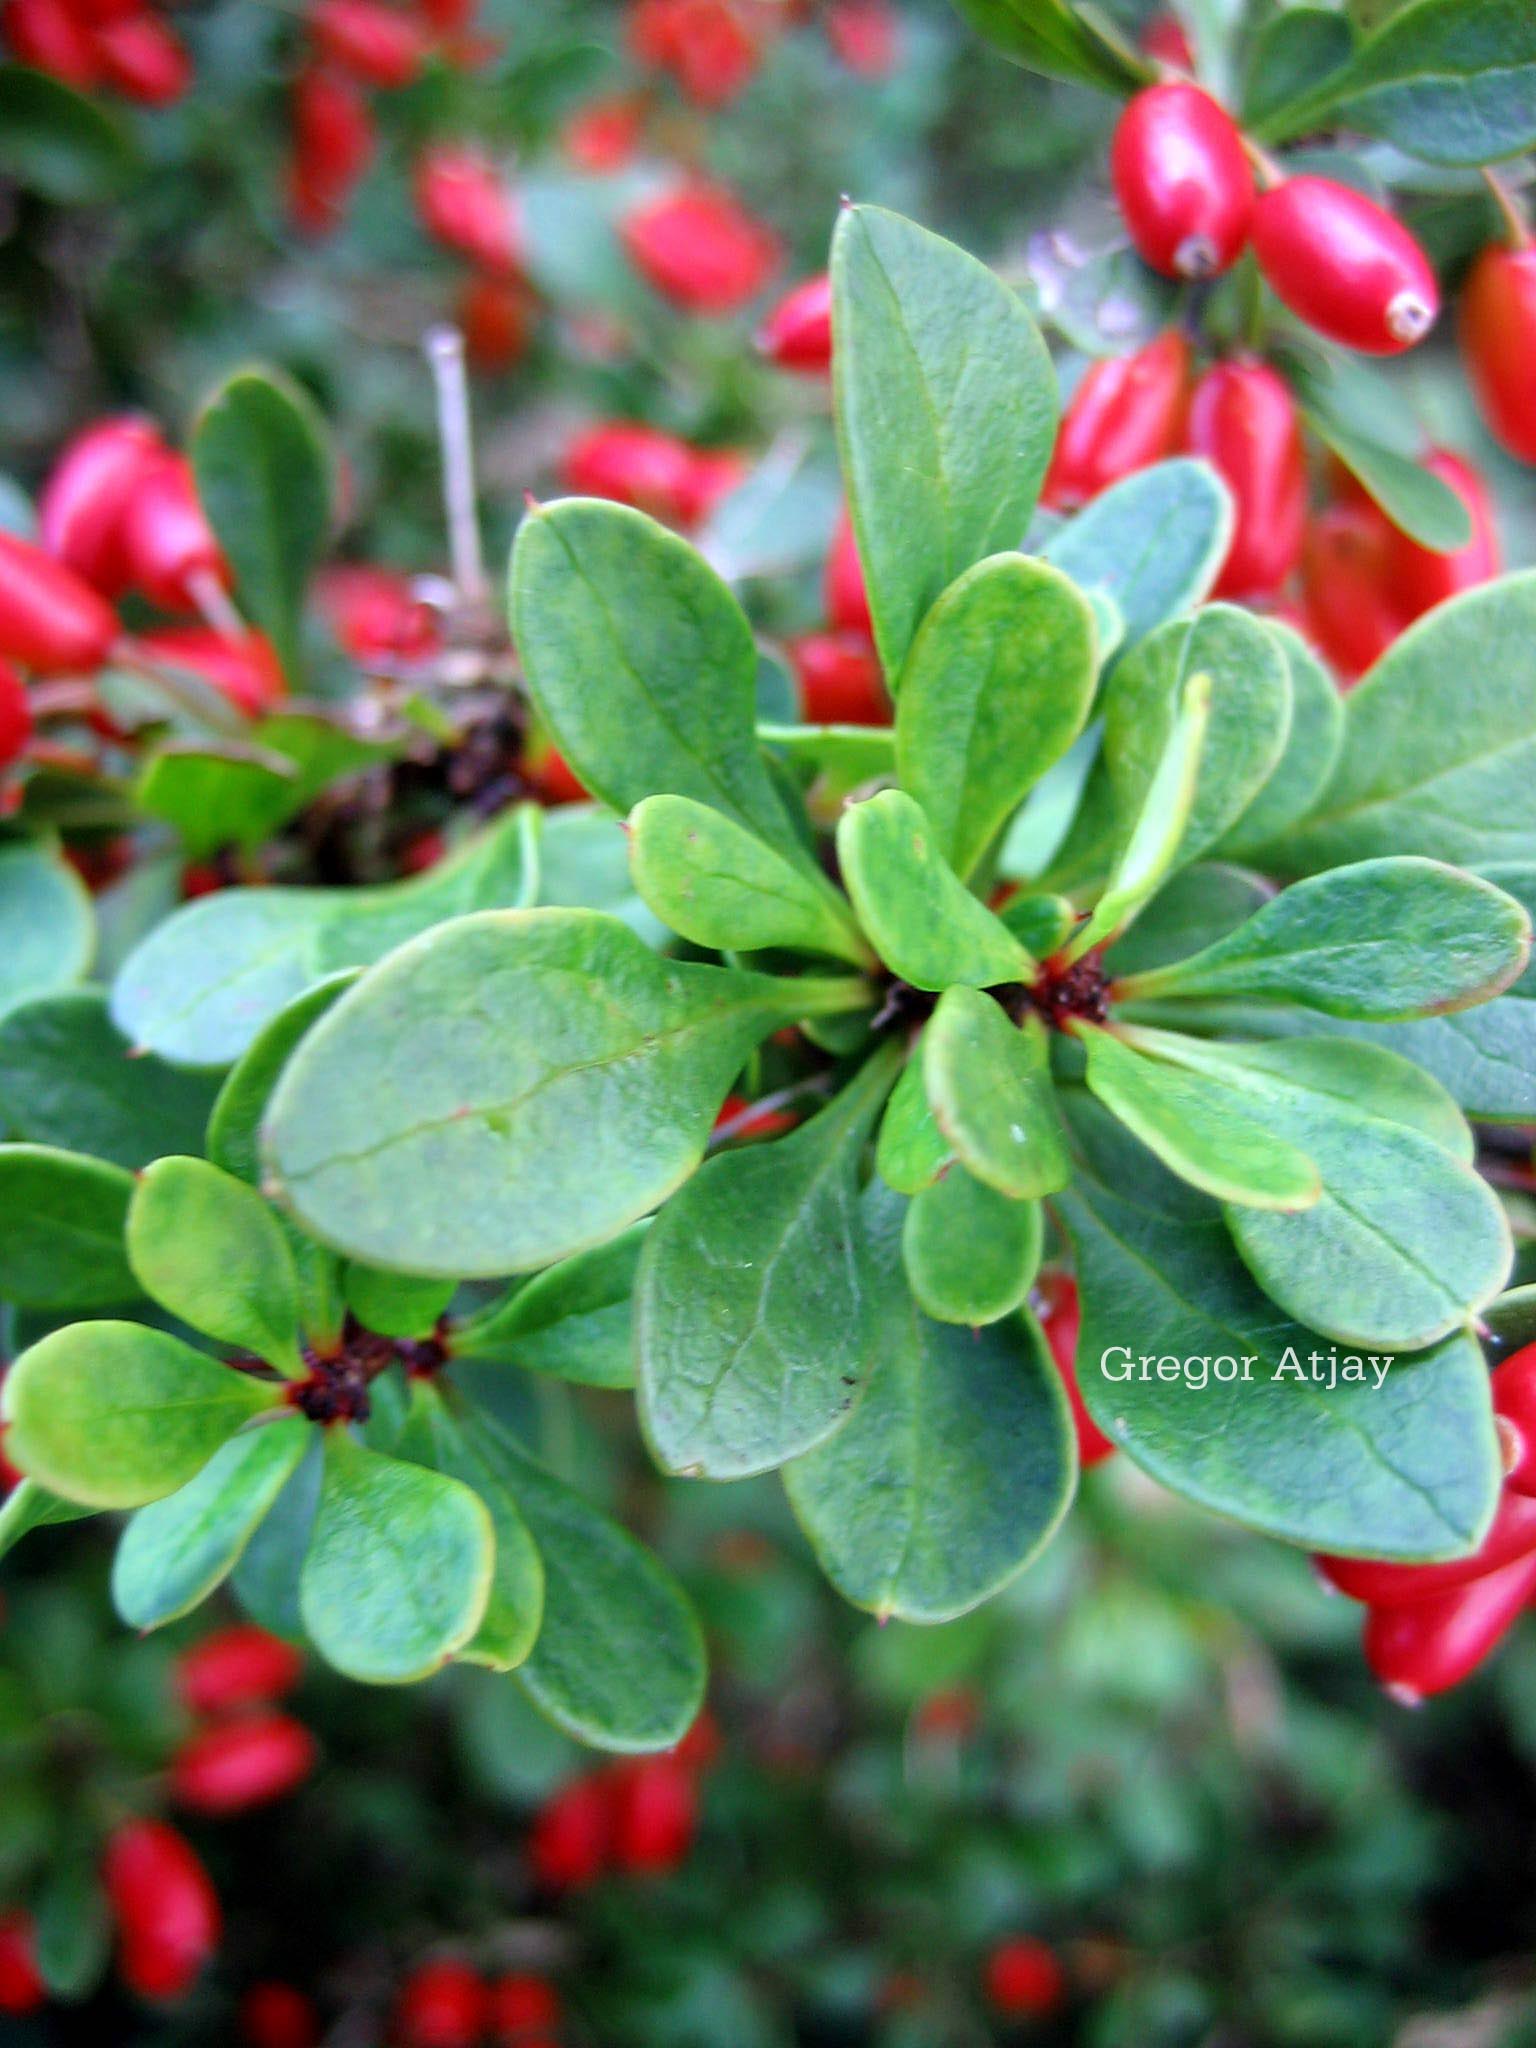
(700, 249)
(1426, 1646)
(1243, 420)
(380, 45)
(865, 36)
(496, 315)
(1498, 343)
(1166, 40)
(843, 589)
(164, 1906)
(373, 612)
(713, 475)
(1061, 1321)
(50, 36)
(520, 2005)
(715, 54)
(235, 1667)
(1514, 1403)
(603, 136)
(1127, 412)
(1422, 578)
(245, 670)
(146, 60)
(1345, 265)
(442, 2004)
(170, 547)
(22, 1989)
(1512, 1535)
(334, 140)
(797, 335)
(464, 202)
(51, 621)
(840, 679)
(15, 716)
(655, 1815)
(82, 506)
(572, 1834)
(1024, 1979)
(1352, 611)
(243, 1763)
(277, 2015)
(633, 464)
(1182, 180)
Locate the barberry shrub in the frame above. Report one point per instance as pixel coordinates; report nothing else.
(1129, 941)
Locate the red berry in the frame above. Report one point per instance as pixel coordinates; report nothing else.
(701, 1748)
(865, 36)
(51, 621)
(1182, 180)
(241, 1764)
(333, 146)
(1498, 343)
(22, 1989)
(145, 59)
(840, 680)
(464, 202)
(1126, 413)
(373, 613)
(496, 315)
(48, 35)
(81, 508)
(700, 249)
(655, 1815)
(239, 1666)
(554, 777)
(569, 1842)
(379, 45)
(1423, 579)
(1345, 265)
(1024, 1980)
(1426, 1646)
(1352, 612)
(1514, 1403)
(843, 590)
(634, 465)
(948, 1715)
(713, 53)
(170, 547)
(1166, 41)
(15, 716)
(603, 136)
(246, 671)
(1061, 1320)
(441, 2005)
(1511, 1535)
(744, 1122)
(713, 474)
(797, 335)
(1243, 420)
(519, 2005)
(276, 2015)
(165, 1907)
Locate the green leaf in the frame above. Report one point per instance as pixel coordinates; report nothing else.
(912, 1151)
(72, 1930)
(264, 478)
(1418, 502)
(835, 758)
(426, 1123)
(954, 1470)
(995, 688)
(1485, 1058)
(1407, 1467)
(601, 591)
(399, 1565)
(753, 1315)
(1439, 754)
(394, 1304)
(174, 1552)
(1043, 924)
(988, 1083)
(925, 924)
(1380, 940)
(62, 1246)
(234, 1124)
(113, 1414)
(1196, 1129)
(1047, 36)
(946, 413)
(717, 884)
(1311, 750)
(619, 1662)
(207, 981)
(208, 1248)
(58, 143)
(572, 1321)
(514, 1607)
(266, 1580)
(217, 795)
(1198, 906)
(66, 1080)
(1291, 53)
(47, 927)
(1154, 541)
(29, 1506)
(970, 1254)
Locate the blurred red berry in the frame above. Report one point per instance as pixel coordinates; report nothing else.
(1423, 1647)
(843, 588)
(1126, 413)
(171, 550)
(1514, 1402)
(1344, 265)
(51, 620)
(797, 335)
(1024, 1980)
(379, 44)
(235, 1667)
(164, 1905)
(1182, 181)
(519, 2006)
(1498, 343)
(701, 1748)
(373, 612)
(465, 203)
(655, 1815)
(441, 2004)
(701, 250)
(22, 1989)
(82, 506)
(569, 1843)
(245, 670)
(865, 35)
(602, 136)
(1353, 615)
(1061, 1320)
(277, 2015)
(1422, 578)
(1166, 41)
(949, 1714)
(634, 465)
(840, 679)
(1243, 420)
(713, 474)
(334, 140)
(146, 60)
(496, 315)
(50, 36)
(15, 716)
(1511, 1535)
(737, 1115)
(240, 1764)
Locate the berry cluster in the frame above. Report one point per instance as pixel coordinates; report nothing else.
(126, 46)
(636, 1818)
(444, 2003)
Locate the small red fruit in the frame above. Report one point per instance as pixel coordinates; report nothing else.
(603, 136)
(634, 465)
(464, 202)
(700, 249)
(1243, 420)
(1023, 1978)
(1514, 1403)
(15, 716)
(714, 54)
(1352, 612)
(1345, 265)
(864, 35)
(441, 2005)
(713, 474)
(797, 335)
(246, 671)
(1127, 413)
(1166, 41)
(379, 45)
(840, 680)
(334, 140)
(171, 550)
(843, 588)
(165, 1907)
(518, 2006)
(235, 1667)
(277, 2015)
(1498, 343)
(82, 506)
(1182, 180)
(373, 612)
(1427, 1646)
(1512, 1535)
(1061, 1321)
(572, 1831)
(22, 1989)
(145, 59)
(701, 1748)
(48, 35)
(655, 1815)
(496, 315)
(241, 1764)
(51, 621)
(1423, 579)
